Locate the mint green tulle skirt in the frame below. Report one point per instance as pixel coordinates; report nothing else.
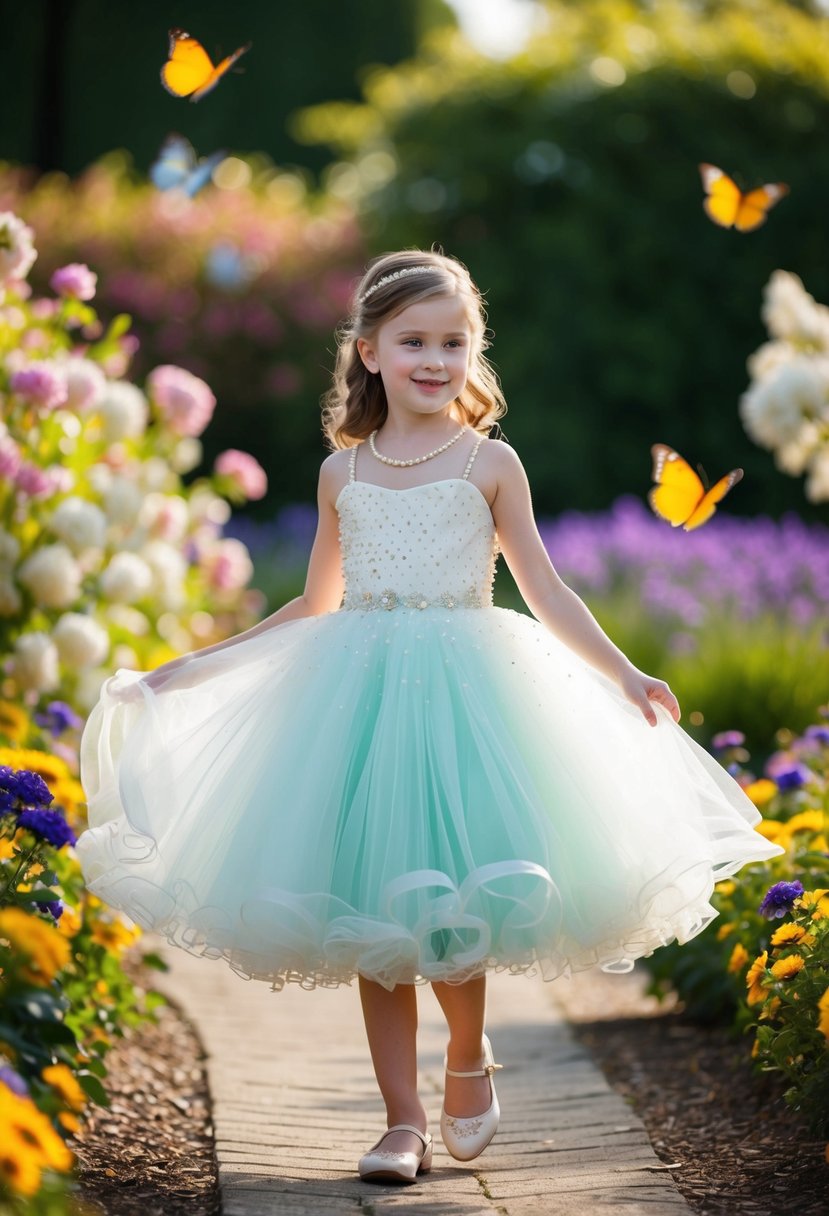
(407, 795)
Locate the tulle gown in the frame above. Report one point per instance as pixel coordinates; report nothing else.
(418, 786)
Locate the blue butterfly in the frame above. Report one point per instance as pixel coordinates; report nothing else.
(178, 168)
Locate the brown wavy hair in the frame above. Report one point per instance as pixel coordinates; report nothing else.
(356, 404)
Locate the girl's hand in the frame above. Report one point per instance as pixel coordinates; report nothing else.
(641, 689)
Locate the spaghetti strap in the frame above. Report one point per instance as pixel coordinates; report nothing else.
(352, 461)
(471, 459)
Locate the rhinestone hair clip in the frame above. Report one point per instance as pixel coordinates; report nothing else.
(397, 274)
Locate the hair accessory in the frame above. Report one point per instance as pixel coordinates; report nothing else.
(397, 274)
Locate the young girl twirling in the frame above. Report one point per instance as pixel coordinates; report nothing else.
(392, 779)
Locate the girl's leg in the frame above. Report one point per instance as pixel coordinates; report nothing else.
(391, 1027)
(464, 1006)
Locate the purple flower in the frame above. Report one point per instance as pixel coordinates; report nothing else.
(779, 899)
(75, 281)
(50, 825)
(820, 734)
(24, 786)
(792, 777)
(13, 1081)
(41, 385)
(53, 906)
(727, 738)
(58, 717)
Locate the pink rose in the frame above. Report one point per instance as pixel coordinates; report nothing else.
(75, 281)
(184, 401)
(41, 384)
(244, 471)
(227, 565)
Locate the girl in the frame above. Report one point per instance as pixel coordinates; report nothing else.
(392, 779)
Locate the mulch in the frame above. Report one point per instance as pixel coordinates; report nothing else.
(738, 1150)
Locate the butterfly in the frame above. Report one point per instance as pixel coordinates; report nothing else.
(189, 71)
(178, 168)
(727, 205)
(679, 495)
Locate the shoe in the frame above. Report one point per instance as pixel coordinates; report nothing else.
(379, 1165)
(467, 1138)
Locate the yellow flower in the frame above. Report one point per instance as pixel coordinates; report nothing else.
(39, 942)
(816, 902)
(21, 1120)
(14, 721)
(771, 1007)
(70, 922)
(114, 934)
(739, 958)
(788, 967)
(71, 1122)
(6, 849)
(63, 1080)
(50, 768)
(787, 935)
(726, 887)
(19, 1166)
(771, 829)
(760, 792)
(725, 929)
(755, 978)
(823, 1010)
(69, 794)
(806, 821)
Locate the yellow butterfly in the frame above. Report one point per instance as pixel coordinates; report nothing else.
(728, 206)
(679, 495)
(189, 71)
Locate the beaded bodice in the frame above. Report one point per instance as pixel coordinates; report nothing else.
(431, 544)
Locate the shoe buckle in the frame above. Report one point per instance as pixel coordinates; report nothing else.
(489, 1069)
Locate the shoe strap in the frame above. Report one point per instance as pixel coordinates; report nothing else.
(486, 1071)
(407, 1127)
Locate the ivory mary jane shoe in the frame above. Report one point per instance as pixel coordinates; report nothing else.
(380, 1165)
(467, 1138)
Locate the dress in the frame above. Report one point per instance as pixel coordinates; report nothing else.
(417, 786)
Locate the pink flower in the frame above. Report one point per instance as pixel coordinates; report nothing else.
(244, 471)
(17, 253)
(85, 383)
(41, 384)
(33, 482)
(184, 401)
(75, 281)
(227, 565)
(9, 456)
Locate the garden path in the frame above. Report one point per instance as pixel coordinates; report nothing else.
(294, 1105)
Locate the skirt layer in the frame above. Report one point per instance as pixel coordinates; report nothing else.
(407, 795)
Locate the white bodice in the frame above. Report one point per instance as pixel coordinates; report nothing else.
(433, 543)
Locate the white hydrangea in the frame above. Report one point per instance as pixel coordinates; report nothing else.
(52, 576)
(168, 568)
(10, 599)
(122, 501)
(791, 313)
(794, 456)
(773, 409)
(156, 474)
(165, 515)
(80, 640)
(80, 524)
(85, 383)
(817, 483)
(123, 411)
(34, 663)
(767, 358)
(126, 578)
(129, 619)
(187, 454)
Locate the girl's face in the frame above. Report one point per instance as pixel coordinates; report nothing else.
(422, 355)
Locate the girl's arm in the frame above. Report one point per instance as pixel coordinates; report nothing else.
(554, 604)
(324, 582)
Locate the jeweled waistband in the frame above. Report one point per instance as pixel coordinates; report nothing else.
(366, 601)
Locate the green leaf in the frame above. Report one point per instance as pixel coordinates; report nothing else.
(93, 1088)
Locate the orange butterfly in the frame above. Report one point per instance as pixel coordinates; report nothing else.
(189, 72)
(728, 206)
(679, 495)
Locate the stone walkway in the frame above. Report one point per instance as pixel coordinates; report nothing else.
(295, 1104)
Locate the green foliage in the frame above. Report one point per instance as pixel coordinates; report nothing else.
(567, 180)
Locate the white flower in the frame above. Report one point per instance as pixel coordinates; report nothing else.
(35, 662)
(129, 619)
(206, 507)
(85, 383)
(794, 456)
(122, 501)
(81, 642)
(817, 483)
(10, 598)
(80, 524)
(774, 409)
(52, 576)
(126, 579)
(790, 312)
(124, 411)
(17, 253)
(156, 474)
(88, 687)
(125, 656)
(165, 516)
(169, 569)
(187, 454)
(767, 358)
(9, 548)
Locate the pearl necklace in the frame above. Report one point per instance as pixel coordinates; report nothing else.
(417, 459)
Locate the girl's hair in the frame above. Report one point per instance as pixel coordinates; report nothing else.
(356, 404)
